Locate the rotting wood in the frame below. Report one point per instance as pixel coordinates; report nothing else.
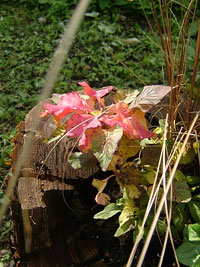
(53, 209)
(54, 163)
(39, 210)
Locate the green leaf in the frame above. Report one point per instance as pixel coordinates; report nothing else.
(104, 146)
(179, 216)
(93, 14)
(43, 1)
(137, 230)
(197, 262)
(192, 180)
(74, 160)
(107, 28)
(104, 4)
(189, 253)
(129, 225)
(108, 212)
(127, 212)
(195, 27)
(85, 161)
(128, 217)
(181, 192)
(194, 208)
(179, 176)
(149, 174)
(161, 226)
(194, 232)
(188, 155)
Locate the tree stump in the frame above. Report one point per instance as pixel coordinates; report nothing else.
(53, 205)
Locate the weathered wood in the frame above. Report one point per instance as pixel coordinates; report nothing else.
(49, 213)
(53, 205)
(53, 159)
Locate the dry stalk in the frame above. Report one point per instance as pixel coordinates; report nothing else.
(162, 201)
(58, 59)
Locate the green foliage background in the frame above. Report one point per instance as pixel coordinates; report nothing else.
(27, 45)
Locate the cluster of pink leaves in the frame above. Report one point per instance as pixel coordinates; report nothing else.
(85, 116)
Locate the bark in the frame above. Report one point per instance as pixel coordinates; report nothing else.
(50, 207)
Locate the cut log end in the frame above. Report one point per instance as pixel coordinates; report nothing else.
(53, 205)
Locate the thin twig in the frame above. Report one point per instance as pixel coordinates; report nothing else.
(52, 74)
(153, 225)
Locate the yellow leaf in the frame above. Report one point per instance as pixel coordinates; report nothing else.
(133, 191)
(100, 184)
(149, 174)
(128, 148)
(129, 212)
(101, 198)
(96, 112)
(115, 161)
(130, 175)
(196, 146)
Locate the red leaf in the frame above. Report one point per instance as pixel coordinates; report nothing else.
(85, 143)
(68, 103)
(97, 94)
(104, 91)
(139, 126)
(134, 125)
(81, 122)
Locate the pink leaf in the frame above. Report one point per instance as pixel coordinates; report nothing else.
(104, 91)
(90, 91)
(97, 94)
(68, 103)
(80, 123)
(85, 143)
(139, 125)
(102, 199)
(134, 126)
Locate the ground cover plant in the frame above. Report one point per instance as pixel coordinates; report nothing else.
(110, 42)
(29, 44)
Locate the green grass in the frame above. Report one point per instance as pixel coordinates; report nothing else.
(26, 47)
